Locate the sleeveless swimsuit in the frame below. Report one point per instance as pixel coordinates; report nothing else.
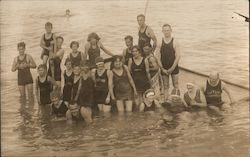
(143, 39)
(24, 76)
(47, 44)
(93, 54)
(139, 75)
(68, 83)
(101, 88)
(76, 60)
(61, 111)
(122, 87)
(45, 89)
(168, 56)
(57, 68)
(213, 94)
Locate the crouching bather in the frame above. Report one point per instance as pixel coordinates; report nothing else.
(58, 107)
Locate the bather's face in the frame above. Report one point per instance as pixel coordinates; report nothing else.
(128, 42)
(77, 70)
(118, 63)
(166, 31)
(21, 50)
(141, 21)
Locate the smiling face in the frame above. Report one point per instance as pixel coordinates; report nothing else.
(118, 63)
(55, 100)
(77, 71)
(129, 43)
(41, 72)
(135, 52)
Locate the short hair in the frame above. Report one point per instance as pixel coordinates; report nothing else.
(115, 57)
(147, 44)
(167, 25)
(60, 37)
(68, 60)
(42, 66)
(93, 35)
(85, 63)
(129, 37)
(137, 47)
(74, 43)
(140, 15)
(55, 93)
(48, 24)
(21, 44)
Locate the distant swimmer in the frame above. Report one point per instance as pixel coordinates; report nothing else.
(246, 18)
(67, 14)
(213, 91)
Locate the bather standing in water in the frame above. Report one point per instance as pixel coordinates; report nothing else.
(121, 86)
(93, 48)
(101, 75)
(22, 63)
(139, 68)
(213, 92)
(58, 107)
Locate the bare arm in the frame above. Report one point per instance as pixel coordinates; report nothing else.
(225, 88)
(123, 55)
(53, 82)
(93, 74)
(54, 41)
(86, 49)
(37, 92)
(130, 79)
(105, 50)
(31, 62)
(42, 44)
(153, 37)
(111, 85)
(60, 53)
(129, 64)
(147, 71)
(62, 81)
(14, 65)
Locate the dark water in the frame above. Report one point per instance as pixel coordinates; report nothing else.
(209, 39)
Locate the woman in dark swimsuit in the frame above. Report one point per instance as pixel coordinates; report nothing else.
(93, 48)
(121, 86)
(67, 80)
(139, 68)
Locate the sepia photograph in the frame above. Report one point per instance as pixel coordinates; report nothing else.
(124, 78)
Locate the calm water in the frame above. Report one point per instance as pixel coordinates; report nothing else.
(210, 40)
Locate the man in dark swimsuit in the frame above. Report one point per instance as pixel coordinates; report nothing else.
(213, 92)
(145, 33)
(127, 53)
(169, 57)
(48, 43)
